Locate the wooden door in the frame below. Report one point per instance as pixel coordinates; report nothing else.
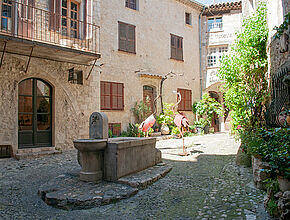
(148, 98)
(34, 114)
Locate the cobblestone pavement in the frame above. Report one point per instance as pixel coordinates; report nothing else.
(205, 185)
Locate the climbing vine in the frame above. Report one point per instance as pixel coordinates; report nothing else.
(244, 72)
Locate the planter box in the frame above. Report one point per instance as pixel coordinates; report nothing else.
(124, 156)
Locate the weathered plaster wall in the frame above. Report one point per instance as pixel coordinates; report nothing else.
(72, 104)
(154, 21)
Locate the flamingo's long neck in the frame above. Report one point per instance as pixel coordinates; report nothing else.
(155, 108)
(179, 100)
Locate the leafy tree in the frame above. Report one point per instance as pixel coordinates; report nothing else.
(244, 72)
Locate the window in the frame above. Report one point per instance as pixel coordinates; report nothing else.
(176, 47)
(187, 18)
(215, 55)
(127, 37)
(115, 128)
(215, 24)
(6, 22)
(112, 96)
(186, 100)
(133, 4)
(69, 18)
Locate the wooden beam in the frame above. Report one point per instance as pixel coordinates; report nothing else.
(3, 53)
(29, 60)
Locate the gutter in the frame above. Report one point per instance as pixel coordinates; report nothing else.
(200, 45)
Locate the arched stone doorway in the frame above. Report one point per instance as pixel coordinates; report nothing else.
(34, 113)
(215, 119)
(148, 97)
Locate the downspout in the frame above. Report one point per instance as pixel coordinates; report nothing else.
(200, 45)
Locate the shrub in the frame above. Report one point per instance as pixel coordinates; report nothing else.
(272, 145)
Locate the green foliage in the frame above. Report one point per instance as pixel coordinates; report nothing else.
(272, 207)
(175, 131)
(133, 131)
(141, 110)
(206, 107)
(244, 72)
(272, 145)
(284, 26)
(110, 133)
(202, 122)
(167, 117)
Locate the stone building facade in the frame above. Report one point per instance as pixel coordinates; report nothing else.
(220, 22)
(138, 62)
(47, 85)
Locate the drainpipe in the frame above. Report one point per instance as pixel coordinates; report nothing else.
(200, 45)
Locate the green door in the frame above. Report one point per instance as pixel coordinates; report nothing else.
(34, 113)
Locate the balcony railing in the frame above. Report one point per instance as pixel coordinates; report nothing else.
(28, 22)
(218, 26)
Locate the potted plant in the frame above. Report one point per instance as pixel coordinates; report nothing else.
(204, 110)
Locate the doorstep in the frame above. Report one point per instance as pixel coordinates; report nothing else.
(29, 153)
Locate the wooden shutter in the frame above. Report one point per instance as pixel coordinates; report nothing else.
(114, 96)
(188, 102)
(85, 18)
(105, 95)
(122, 36)
(173, 46)
(51, 15)
(179, 48)
(120, 96)
(80, 77)
(131, 38)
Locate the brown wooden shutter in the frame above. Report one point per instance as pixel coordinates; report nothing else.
(114, 96)
(188, 100)
(58, 14)
(105, 95)
(102, 95)
(85, 18)
(179, 48)
(80, 77)
(173, 47)
(122, 36)
(121, 96)
(51, 15)
(131, 38)
(31, 4)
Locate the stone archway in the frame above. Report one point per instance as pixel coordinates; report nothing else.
(34, 113)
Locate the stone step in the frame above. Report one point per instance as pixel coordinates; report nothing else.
(28, 155)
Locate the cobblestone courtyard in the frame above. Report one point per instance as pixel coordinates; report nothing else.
(205, 185)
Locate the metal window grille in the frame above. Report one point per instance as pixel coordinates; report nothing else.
(280, 96)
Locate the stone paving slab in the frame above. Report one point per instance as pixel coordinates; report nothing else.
(204, 185)
(143, 179)
(67, 192)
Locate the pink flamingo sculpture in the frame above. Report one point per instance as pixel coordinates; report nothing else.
(149, 122)
(181, 122)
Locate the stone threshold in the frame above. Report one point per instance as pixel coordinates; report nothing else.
(32, 153)
(68, 192)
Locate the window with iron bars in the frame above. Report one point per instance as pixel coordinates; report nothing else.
(214, 24)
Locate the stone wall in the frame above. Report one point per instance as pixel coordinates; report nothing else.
(72, 103)
(154, 21)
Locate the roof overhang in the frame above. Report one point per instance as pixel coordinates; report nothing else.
(193, 4)
(222, 8)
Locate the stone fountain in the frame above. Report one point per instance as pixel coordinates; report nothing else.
(103, 158)
(112, 169)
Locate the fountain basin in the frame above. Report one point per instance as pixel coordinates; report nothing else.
(91, 158)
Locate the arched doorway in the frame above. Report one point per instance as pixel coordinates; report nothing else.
(148, 97)
(215, 119)
(34, 113)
